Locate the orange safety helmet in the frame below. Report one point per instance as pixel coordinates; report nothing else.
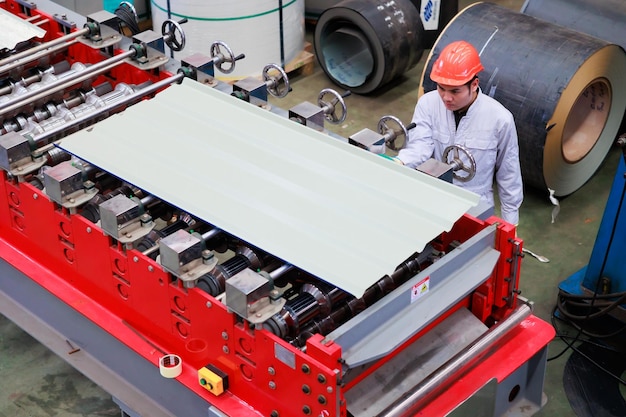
(457, 64)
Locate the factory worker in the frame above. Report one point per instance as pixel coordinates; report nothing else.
(459, 113)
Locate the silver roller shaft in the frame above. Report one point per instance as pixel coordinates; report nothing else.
(42, 47)
(35, 77)
(65, 83)
(211, 234)
(40, 82)
(149, 199)
(280, 271)
(34, 57)
(91, 106)
(109, 107)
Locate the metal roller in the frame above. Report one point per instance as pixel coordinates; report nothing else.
(564, 88)
(214, 282)
(89, 118)
(362, 45)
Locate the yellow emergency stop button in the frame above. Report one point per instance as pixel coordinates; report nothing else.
(213, 380)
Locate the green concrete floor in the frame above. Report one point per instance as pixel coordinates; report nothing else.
(35, 382)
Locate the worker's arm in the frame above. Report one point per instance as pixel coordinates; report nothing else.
(508, 173)
(419, 144)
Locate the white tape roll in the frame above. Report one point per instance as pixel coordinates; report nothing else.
(170, 366)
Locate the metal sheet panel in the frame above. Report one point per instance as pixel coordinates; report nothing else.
(16, 30)
(344, 215)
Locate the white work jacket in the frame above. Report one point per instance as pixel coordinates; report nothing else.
(487, 131)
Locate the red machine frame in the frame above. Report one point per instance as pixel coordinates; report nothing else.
(130, 296)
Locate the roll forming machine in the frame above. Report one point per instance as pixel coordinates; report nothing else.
(254, 265)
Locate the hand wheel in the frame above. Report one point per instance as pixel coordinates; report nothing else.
(228, 58)
(393, 133)
(458, 164)
(330, 109)
(169, 30)
(278, 85)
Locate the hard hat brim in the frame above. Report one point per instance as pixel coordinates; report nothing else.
(451, 81)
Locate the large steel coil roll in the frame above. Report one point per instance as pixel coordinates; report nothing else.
(435, 14)
(363, 44)
(565, 89)
(604, 19)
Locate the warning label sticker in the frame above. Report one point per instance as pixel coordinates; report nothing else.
(420, 289)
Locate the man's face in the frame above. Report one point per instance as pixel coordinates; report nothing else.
(457, 97)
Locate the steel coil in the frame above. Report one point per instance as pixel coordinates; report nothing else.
(435, 14)
(362, 45)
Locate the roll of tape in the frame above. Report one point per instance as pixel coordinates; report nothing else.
(170, 366)
(564, 88)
